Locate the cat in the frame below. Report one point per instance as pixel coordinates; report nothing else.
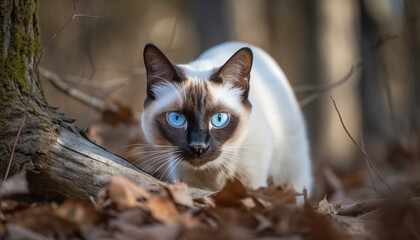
(229, 114)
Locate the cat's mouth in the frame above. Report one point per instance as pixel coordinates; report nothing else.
(197, 162)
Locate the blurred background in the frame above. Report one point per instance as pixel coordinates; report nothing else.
(372, 45)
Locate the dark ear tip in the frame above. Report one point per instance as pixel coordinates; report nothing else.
(149, 46)
(249, 55)
(247, 50)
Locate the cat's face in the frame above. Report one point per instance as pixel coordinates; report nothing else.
(197, 113)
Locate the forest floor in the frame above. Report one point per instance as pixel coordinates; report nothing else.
(343, 206)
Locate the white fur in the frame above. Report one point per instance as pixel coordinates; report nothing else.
(274, 140)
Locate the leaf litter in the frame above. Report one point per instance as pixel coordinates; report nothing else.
(125, 210)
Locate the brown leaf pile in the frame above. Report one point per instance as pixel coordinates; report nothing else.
(126, 210)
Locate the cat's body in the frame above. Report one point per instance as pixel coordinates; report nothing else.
(265, 134)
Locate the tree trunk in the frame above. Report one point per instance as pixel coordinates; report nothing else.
(60, 160)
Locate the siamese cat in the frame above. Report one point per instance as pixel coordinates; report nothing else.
(229, 114)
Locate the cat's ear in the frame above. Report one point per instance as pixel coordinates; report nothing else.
(237, 70)
(158, 68)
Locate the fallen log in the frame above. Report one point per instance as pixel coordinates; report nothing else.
(77, 168)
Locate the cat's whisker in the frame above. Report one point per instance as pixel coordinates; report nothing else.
(236, 148)
(145, 145)
(228, 171)
(160, 174)
(166, 157)
(149, 168)
(147, 153)
(152, 162)
(237, 158)
(154, 151)
(160, 161)
(173, 163)
(153, 158)
(241, 175)
(219, 166)
(240, 152)
(167, 162)
(179, 159)
(246, 156)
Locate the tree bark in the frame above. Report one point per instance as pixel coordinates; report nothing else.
(61, 162)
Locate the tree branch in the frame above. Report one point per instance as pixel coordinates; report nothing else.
(96, 103)
(369, 163)
(320, 89)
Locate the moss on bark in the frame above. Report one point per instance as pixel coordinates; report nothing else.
(19, 47)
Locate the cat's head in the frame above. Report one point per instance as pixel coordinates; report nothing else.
(197, 111)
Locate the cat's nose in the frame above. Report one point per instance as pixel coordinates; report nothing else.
(198, 147)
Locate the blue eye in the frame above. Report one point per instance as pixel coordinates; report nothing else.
(176, 119)
(220, 120)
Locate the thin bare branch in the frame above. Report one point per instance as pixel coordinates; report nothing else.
(34, 71)
(331, 85)
(320, 89)
(334, 182)
(96, 103)
(111, 84)
(360, 208)
(362, 151)
(369, 166)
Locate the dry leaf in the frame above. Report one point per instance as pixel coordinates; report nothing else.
(133, 216)
(204, 202)
(275, 194)
(325, 207)
(149, 232)
(164, 210)
(180, 193)
(43, 220)
(231, 195)
(16, 184)
(125, 193)
(320, 226)
(248, 203)
(80, 213)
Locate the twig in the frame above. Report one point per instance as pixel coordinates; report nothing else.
(114, 83)
(364, 207)
(322, 88)
(388, 95)
(334, 182)
(75, 15)
(96, 103)
(367, 159)
(369, 166)
(331, 85)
